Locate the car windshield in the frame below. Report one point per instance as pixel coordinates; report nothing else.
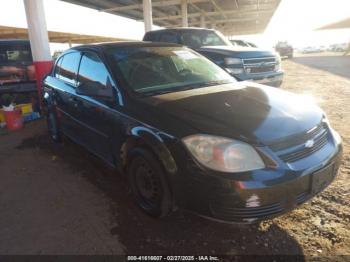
(155, 70)
(198, 38)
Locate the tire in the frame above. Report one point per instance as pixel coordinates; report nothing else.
(52, 126)
(148, 183)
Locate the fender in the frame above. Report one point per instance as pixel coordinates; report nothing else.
(156, 141)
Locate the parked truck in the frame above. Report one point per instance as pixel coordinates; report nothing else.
(243, 63)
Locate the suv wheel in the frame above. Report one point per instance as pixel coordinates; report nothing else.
(148, 184)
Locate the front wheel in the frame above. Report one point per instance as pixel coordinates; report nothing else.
(52, 125)
(148, 183)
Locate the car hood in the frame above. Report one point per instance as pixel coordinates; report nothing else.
(240, 52)
(244, 110)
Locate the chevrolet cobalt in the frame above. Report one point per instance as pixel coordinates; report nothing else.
(187, 135)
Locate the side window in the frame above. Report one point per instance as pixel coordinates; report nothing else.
(148, 37)
(92, 69)
(58, 67)
(69, 67)
(168, 37)
(94, 75)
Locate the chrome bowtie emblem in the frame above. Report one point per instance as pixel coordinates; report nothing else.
(309, 143)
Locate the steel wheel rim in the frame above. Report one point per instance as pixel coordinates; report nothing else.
(147, 184)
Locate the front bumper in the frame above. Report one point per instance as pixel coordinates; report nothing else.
(253, 196)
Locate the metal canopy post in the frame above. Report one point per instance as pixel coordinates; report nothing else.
(184, 15)
(39, 40)
(147, 14)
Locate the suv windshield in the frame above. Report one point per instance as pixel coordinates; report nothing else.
(155, 70)
(198, 38)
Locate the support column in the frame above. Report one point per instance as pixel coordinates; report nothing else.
(147, 14)
(202, 21)
(184, 13)
(39, 40)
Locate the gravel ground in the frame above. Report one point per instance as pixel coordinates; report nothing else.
(59, 199)
(322, 225)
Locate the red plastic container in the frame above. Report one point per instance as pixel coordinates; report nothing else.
(14, 120)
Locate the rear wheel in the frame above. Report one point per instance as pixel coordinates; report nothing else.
(148, 183)
(52, 125)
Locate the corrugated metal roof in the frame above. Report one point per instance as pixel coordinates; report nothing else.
(231, 17)
(7, 32)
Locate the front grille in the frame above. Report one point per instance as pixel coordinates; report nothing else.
(237, 214)
(259, 65)
(263, 69)
(297, 139)
(297, 144)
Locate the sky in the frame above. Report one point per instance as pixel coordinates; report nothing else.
(293, 21)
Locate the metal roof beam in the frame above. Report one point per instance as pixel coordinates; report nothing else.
(237, 20)
(217, 7)
(214, 13)
(154, 4)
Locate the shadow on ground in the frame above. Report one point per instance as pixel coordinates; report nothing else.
(181, 233)
(338, 65)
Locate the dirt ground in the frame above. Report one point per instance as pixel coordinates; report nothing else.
(59, 199)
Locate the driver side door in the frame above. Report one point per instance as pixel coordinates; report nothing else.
(96, 115)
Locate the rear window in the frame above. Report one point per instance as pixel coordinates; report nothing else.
(15, 53)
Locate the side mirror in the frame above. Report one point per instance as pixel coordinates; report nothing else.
(95, 89)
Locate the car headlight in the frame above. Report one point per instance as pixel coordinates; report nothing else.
(232, 61)
(223, 154)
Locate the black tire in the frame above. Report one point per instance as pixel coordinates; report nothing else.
(148, 183)
(52, 126)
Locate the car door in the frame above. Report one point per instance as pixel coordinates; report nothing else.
(64, 80)
(97, 115)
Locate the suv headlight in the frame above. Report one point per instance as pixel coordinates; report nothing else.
(232, 61)
(223, 154)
